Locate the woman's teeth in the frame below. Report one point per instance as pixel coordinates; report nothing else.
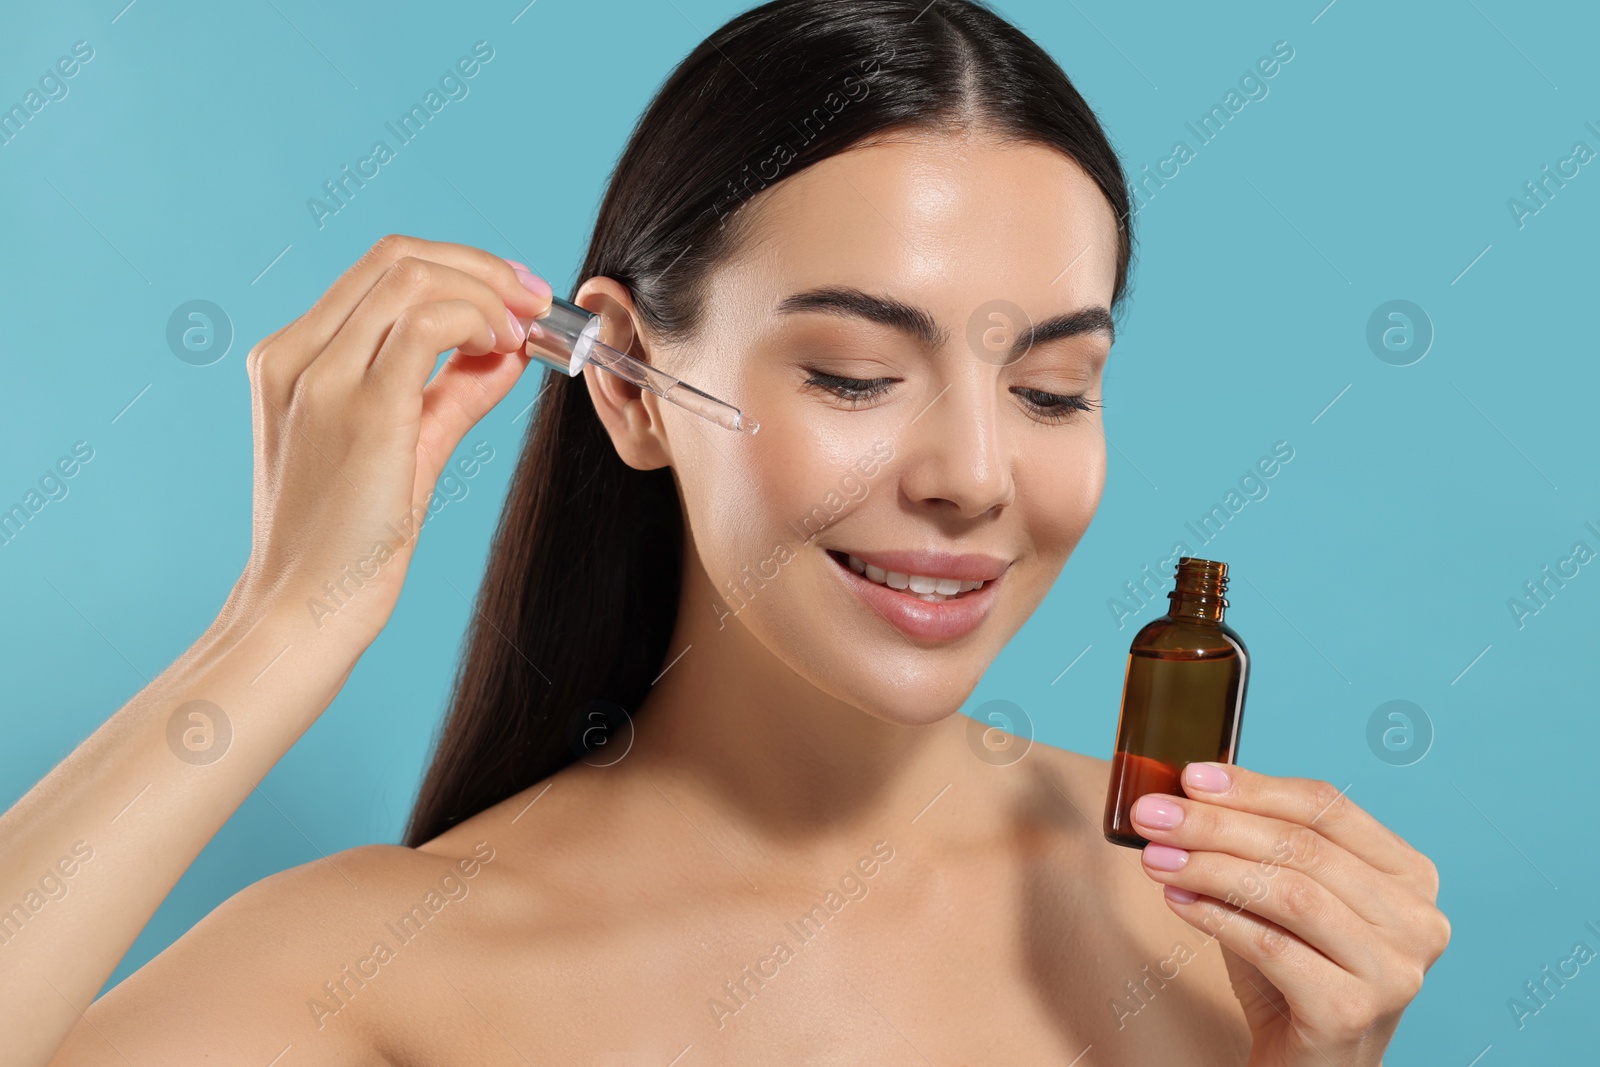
(930, 589)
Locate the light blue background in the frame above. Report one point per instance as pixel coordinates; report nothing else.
(1379, 567)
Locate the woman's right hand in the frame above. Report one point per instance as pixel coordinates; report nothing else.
(351, 436)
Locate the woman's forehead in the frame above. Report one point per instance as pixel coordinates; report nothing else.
(944, 223)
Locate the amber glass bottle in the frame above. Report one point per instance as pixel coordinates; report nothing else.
(1182, 699)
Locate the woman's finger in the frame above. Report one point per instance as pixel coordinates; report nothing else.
(1319, 805)
(460, 394)
(409, 284)
(411, 346)
(1327, 1004)
(1288, 898)
(306, 337)
(1267, 845)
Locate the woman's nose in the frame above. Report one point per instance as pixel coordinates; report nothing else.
(956, 452)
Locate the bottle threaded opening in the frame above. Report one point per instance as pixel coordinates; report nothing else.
(1204, 578)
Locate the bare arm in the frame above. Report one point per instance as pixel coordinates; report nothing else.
(280, 973)
(350, 437)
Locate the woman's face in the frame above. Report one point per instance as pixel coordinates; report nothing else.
(911, 268)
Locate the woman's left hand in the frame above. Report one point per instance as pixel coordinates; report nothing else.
(1326, 917)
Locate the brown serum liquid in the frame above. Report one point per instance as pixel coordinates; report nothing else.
(1182, 699)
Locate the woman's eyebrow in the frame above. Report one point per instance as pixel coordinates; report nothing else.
(846, 300)
(1092, 319)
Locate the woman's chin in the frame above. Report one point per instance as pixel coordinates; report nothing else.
(921, 702)
(918, 714)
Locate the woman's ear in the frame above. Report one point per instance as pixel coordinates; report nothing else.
(630, 414)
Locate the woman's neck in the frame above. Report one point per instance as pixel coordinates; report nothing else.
(728, 718)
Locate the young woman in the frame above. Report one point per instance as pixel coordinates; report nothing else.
(703, 794)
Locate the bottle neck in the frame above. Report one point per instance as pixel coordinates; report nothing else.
(1198, 595)
(1201, 608)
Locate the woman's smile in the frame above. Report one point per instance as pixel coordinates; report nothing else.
(921, 603)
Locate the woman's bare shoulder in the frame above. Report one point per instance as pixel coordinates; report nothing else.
(1057, 786)
(541, 828)
(359, 958)
(288, 962)
(1084, 776)
(1118, 914)
(1061, 794)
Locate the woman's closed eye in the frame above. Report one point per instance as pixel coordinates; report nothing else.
(855, 390)
(1044, 406)
(1055, 407)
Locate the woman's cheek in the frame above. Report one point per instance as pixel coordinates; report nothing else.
(1062, 495)
(749, 495)
(809, 469)
(721, 499)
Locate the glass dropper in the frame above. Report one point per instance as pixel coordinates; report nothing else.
(567, 337)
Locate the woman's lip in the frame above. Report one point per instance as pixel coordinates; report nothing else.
(968, 567)
(918, 619)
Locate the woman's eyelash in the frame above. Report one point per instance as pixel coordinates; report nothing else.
(852, 389)
(1048, 407)
(1054, 407)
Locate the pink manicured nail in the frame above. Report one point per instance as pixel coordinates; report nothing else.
(520, 266)
(1180, 896)
(517, 332)
(533, 283)
(1156, 813)
(1207, 776)
(1165, 857)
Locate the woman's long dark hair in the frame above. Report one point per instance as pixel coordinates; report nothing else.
(581, 593)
